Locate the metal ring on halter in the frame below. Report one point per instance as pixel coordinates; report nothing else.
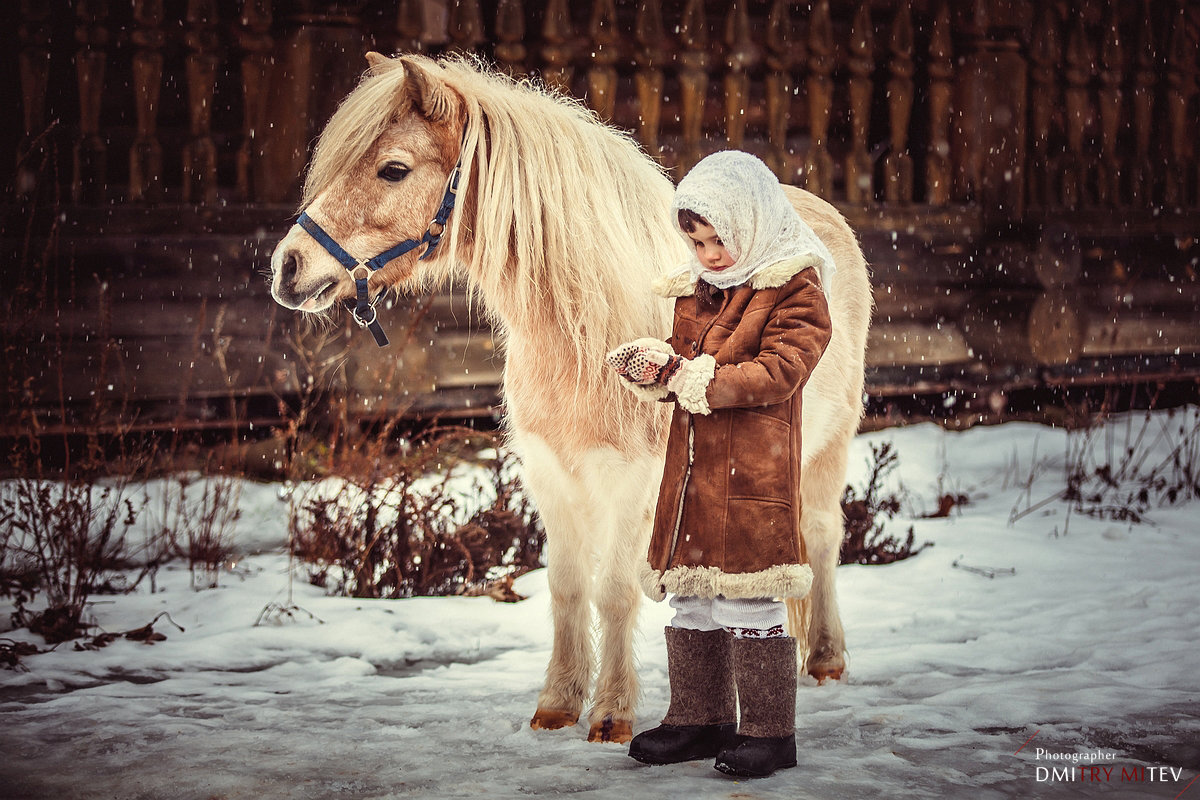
(366, 322)
(441, 228)
(361, 265)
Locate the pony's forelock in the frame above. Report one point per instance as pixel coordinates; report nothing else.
(354, 127)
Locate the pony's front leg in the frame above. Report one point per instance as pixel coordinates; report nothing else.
(625, 504)
(569, 673)
(559, 500)
(612, 713)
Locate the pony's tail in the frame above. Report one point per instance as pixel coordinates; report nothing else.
(799, 612)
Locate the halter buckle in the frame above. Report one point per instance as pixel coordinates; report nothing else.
(361, 265)
(366, 322)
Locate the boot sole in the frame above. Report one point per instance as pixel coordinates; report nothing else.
(729, 769)
(656, 762)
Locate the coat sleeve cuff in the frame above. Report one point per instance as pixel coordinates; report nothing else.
(690, 383)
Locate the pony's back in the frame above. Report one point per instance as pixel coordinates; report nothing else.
(833, 395)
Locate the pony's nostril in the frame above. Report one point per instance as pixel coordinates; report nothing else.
(289, 268)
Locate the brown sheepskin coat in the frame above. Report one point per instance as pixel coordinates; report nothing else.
(728, 516)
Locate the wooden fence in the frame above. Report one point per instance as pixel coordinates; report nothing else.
(1024, 178)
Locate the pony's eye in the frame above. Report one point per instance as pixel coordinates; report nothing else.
(394, 171)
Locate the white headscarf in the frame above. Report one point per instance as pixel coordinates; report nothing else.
(741, 198)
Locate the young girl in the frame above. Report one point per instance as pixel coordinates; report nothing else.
(751, 322)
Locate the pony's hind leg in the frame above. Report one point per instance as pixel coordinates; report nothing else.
(822, 526)
(560, 502)
(623, 492)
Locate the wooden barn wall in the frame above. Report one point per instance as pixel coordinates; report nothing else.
(1024, 178)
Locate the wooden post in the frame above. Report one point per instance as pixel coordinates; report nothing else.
(410, 27)
(255, 43)
(648, 76)
(558, 52)
(34, 64)
(1145, 80)
(898, 164)
(1181, 126)
(693, 82)
(145, 156)
(318, 58)
(741, 56)
(783, 51)
(938, 175)
(200, 152)
(1112, 69)
(465, 26)
(91, 150)
(602, 72)
(991, 100)
(1045, 55)
(860, 189)
(510, 37)
(1079, 67)
(818, 164)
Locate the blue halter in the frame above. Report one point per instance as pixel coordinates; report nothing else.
(360, 270)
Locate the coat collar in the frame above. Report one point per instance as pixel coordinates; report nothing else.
(682, 283)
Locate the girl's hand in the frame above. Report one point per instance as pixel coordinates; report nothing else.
(642, 365)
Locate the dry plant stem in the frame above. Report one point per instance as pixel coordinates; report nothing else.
(71, 532)
(1121, 488)
(864, 541)
(411, 533)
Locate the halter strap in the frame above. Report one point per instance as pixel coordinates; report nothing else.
(360, 270)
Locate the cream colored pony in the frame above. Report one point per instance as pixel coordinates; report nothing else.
(560, 227)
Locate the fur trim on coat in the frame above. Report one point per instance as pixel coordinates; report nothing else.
(784, 580)
(690, 383)
(681, 282)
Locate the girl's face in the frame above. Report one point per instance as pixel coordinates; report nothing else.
(709, 248)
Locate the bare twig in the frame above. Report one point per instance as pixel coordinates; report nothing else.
(987, 572)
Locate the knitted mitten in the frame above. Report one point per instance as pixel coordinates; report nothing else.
(644, 361)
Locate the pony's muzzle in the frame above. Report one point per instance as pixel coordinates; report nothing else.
(286, 267)
(293, 291)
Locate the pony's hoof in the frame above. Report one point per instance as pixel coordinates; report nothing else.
(823, 674)
(611, 730)
(550, 720)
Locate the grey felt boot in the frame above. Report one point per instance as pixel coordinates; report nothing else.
(702, 717)
(765, 671)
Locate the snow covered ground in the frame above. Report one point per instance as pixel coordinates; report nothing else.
(1070, 672)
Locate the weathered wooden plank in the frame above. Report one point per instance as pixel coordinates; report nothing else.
(908, 344)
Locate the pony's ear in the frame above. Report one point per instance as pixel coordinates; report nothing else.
(432, 97)
(377, 62)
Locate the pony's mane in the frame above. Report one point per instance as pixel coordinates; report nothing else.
(570, 221)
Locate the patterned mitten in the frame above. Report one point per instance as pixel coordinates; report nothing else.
(643, 365)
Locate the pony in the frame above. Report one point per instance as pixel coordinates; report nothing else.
(558, 224)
